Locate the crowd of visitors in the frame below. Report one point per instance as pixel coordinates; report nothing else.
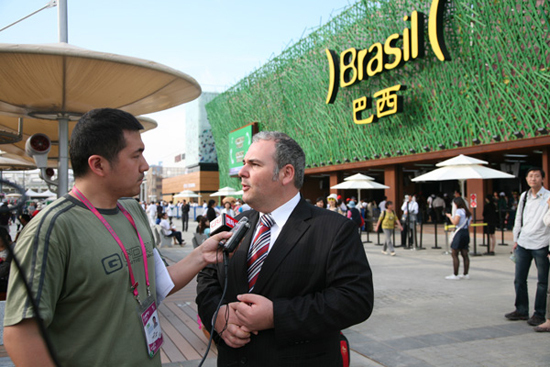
(500, 212)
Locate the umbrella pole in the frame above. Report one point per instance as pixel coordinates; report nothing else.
(62, 21)
(63, 167)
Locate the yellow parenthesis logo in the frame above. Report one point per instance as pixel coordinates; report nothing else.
(334, 75)
(436, 30)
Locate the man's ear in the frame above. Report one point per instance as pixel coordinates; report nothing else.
(98, 165)
(287, 174)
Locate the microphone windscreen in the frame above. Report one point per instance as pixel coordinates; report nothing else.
(223, 223)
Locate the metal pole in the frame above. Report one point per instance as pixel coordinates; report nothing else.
(421, 235)
(501, 219)
(51, 4)
(475, 236)
(435, 235)
(446, 240)
(62, 21)
(63, 167)
(368, 240)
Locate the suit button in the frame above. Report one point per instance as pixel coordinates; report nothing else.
(244, 360)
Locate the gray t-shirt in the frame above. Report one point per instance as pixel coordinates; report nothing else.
(80, 279)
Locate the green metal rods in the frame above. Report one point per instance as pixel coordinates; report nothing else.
(497, 83)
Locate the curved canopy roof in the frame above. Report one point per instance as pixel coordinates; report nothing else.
(55, 80)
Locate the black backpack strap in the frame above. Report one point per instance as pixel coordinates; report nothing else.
(522, 205)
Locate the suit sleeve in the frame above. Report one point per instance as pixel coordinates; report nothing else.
(343, 298)
(209, 293)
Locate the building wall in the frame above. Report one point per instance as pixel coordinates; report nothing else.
(494, 88)
(202, 182)
(199, 142)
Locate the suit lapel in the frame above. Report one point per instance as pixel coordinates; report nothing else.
(289, 236)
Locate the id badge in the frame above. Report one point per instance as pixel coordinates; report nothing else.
(149, 317)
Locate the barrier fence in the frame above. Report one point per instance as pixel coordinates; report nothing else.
(412, 242)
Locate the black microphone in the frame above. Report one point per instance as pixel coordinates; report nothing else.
(223, 223)
(239, 231)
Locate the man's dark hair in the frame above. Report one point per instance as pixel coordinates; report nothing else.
(535, 169)
(99, 132)
(25, 217)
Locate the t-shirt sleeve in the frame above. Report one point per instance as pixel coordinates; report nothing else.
(42, 256)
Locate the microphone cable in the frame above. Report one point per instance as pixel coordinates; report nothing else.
(18, 208)
(214, 318)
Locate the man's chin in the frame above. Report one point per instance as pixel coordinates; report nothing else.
(132, 193)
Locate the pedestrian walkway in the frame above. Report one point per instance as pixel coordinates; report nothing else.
(422, 319)
(419, 317)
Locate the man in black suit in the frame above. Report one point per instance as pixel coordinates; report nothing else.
(185, 216)
(315, 279)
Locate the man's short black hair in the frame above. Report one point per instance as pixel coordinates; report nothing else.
(99, 132)
(535, 169)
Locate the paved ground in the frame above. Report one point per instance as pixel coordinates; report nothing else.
(422, 319)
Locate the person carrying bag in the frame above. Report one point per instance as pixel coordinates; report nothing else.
(387, 221)
(461, 238)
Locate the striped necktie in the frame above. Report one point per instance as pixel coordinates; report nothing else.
(258, 250)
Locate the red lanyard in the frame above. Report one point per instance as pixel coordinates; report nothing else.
(134, 284)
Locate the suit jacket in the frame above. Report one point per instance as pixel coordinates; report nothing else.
(319, 280)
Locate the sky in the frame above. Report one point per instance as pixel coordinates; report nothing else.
(216, 42)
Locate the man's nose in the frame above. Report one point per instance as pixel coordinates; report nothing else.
(145, 165)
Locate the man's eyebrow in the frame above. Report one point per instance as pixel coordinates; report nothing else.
(252, 160)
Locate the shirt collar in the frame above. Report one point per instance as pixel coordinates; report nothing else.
(282, 213)
(541, 192)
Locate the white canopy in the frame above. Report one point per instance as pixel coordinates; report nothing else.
(359, 182)
(359, 177)
(187, 194)
(225, 191)
(462, 168)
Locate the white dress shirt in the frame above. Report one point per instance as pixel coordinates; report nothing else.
(534, 234)
(280, 217)
(166, 227)
(413, 207)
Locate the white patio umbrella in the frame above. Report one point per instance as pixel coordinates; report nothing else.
(60, 82)
(30, 193)
(462, 168)
(225, 191)
(359, 177)
(359, 182)
(187, 194)
(41, 194)
(48, 193)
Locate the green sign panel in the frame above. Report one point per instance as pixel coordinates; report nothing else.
(239, 142)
